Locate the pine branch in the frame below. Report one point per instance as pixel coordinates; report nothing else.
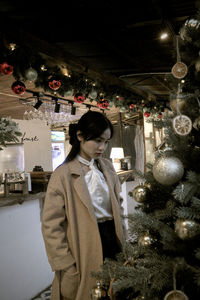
(188, 213)
(195, 202)
(184, 192)
(193, 177)
(197, 277)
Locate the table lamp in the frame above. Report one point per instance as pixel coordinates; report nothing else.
(116, 154)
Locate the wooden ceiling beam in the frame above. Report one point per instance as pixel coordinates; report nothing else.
(161, 83)
(154, 22)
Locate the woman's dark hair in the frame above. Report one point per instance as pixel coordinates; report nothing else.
(91, 125)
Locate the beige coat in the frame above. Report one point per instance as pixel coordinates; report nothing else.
(70, 229)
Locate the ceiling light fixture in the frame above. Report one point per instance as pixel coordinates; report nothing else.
(73, 109)
(57, 106)
(38, 103)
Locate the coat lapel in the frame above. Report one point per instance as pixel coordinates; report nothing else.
(80, 186)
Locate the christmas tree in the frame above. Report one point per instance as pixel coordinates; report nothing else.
(161, 258)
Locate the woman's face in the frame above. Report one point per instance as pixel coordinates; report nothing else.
(94, 148)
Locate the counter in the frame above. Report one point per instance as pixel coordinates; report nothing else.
(24, 268)
(20, 198)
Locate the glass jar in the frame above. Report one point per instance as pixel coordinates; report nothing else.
(126, 163)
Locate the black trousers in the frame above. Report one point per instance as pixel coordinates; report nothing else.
(109, 240)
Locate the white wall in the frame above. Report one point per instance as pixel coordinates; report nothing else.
(24, 268)
(36, 136)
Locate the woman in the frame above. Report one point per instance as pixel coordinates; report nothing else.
(81, 221)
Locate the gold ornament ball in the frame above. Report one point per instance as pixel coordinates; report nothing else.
(175, 295)
(146, 240)
(98, 292)
(140, 193)
(187, 229)
(168, 170)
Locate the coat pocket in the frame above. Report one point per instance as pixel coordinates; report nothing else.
(69, 285)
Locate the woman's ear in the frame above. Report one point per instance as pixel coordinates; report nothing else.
(79, 136)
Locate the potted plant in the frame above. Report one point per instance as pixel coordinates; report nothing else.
(9, 131)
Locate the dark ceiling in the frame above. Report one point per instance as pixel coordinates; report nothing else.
(120, 38)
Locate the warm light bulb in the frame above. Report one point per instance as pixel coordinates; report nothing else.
(12, 46)
(43, 68)
(164, 35)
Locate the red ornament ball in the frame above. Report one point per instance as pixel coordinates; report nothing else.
(131, 106)
(54, 84)
(79, 98)
(160, 116)
(147, 114)
(18, 87)
(103, 104)
(6, 69)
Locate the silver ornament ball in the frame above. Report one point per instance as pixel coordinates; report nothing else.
(31, 74)
(92, 94)
(69, 93)
(111, 103)
(168, 170)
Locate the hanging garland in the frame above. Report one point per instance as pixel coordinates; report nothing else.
(27, 65)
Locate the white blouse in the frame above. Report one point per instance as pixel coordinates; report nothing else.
(98, 190)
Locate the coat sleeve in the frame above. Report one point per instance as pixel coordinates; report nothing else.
(53, 228)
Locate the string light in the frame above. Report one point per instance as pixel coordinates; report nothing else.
(43, 68)
(12, 46)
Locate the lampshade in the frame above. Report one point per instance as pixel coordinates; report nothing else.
(117, 152)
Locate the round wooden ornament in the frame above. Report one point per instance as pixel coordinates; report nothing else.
(182, 125)
(179, 70)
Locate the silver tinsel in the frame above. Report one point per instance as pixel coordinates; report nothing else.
(31, 74)
(168, 170)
